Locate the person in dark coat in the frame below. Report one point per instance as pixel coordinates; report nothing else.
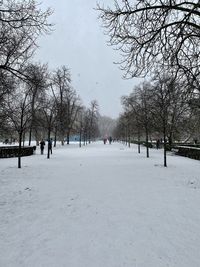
(158, 144)
(110, 140)
(42, 144)
(50, 145)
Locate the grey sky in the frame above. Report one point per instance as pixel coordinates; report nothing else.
(79, 43)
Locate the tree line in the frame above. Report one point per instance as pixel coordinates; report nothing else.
(160, 109)
(158, 40)
(35, 102)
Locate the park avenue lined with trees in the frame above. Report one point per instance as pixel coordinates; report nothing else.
(35, 102)
(158, 40)
(78, 200)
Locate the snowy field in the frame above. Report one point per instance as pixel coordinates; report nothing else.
(100, 206)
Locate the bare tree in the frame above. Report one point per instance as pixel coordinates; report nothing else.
(21, 23)
(86, 123)
(144, 104)
(132, 107)
(170, 106)
(118, 132)
(17, 111)
(47, 114)
(68, 103)
(93, 118)
(189, 127)
(106, 126)
(37, 82)
(148, 33)
(121, 130)
(61, 87)
(79, 123)
(7, 85)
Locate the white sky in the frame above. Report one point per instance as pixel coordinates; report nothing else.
(79, 43)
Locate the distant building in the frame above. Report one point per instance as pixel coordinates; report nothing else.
(74, 138)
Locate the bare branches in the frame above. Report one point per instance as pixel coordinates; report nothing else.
(67, 102)
(21, 22)
(153, 32)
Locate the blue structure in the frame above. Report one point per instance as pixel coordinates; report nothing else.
(74, 138)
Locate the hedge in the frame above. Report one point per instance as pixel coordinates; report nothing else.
(190, 152)
(13, 151)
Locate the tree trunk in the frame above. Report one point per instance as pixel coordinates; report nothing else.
(147, 143)
(80, 135)
(24, 135)
(55, 140)
(37, 137)
(48, 151)
(86, 139)
(139, 142)
(20, 150)
(55, 137)
(165, 146)
(89, 137)
(170, 140)
(68, 133)
(30, 136)
(33, 116)
(126, 136)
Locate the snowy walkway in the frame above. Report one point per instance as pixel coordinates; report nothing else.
(100, 206)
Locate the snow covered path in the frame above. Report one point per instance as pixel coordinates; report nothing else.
(100, 206)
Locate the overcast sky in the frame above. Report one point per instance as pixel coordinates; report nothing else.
(79, 43)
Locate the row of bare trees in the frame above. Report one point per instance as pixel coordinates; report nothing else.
(159, 39)
(21, 23)
(35, 102)
(161, 109)
(45, 106)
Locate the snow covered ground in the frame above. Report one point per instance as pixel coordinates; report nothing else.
(100, 206)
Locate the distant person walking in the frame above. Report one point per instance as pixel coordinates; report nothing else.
(104, 140)
(50, 145)
(42, 144)
(110, 140)
(158, 144)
